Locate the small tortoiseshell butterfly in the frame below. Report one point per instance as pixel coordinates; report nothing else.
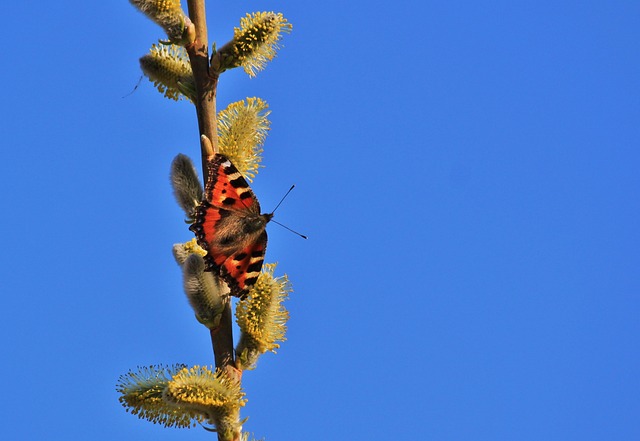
(230, 227)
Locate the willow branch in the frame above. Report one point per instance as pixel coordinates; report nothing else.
(222, 339)
(206, 86)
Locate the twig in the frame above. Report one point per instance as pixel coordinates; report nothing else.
(206, 86)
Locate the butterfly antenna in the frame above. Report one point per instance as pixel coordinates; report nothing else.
(285, 195)
(135, 88)
(284, 226)
(287, 228)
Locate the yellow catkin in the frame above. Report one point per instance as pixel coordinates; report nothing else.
(242, 129)
(256, 40)
(166, 13)
(262, 317)
(168, 67)
(142, 394)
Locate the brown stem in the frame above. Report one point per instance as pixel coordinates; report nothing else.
(222, 340)
(206, 86)
(198, 17)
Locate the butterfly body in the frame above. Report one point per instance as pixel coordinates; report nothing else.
(230, 227)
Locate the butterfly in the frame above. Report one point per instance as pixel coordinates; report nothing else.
(229, 226)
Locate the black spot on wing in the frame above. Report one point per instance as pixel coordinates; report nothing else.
(240, 256)
(239, 182)
(255, 266)
(250, 281)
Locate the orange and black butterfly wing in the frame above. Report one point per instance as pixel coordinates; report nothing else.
(229, 201)
(226, 188)
(242, 269)
(206, 226)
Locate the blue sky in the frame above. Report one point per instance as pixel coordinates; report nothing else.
(467, 174)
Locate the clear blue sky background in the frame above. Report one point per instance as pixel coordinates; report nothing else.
(468, 176)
